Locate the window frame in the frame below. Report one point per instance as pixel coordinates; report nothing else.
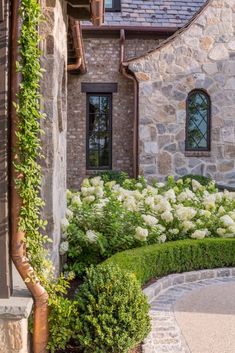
(208, 147)
(100, 94)
(115, 8)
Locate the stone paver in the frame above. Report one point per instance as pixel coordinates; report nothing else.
(192, 313)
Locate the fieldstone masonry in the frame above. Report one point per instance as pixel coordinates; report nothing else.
(201, 56)
(54, 102)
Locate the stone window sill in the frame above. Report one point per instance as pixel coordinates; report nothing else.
(197, 153)
(19, 305)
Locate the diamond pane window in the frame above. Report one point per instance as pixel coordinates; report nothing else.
(198, 121)
(99, 131)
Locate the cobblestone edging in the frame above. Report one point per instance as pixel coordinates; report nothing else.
(166, 335)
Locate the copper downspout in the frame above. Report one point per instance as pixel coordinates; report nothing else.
(97, 12)
(77, 40)
(18, 250)
(131, 77)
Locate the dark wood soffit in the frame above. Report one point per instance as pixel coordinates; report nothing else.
(99, 87)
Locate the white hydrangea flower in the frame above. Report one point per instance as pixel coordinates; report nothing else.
(227, 220)
(174, 231)
(170, 195)
(91, 236)
(167, 216)
(139, 185)
(99, 191)
(186, 195)
(64, 223)
(150, 220)
(69, 193)
(187, 225)
(221, 232)
(162, 238)
(130, 204)
(149, 201)
(110, 184)
(64, 247)
(185, 213)
(86, 183)
(76, 201)
(205, 213)
(89, 199)
(141, 234)
(69, 213)
(161, 228)
(96, 181)
(162, 206)
(196, 185)
(199, 234)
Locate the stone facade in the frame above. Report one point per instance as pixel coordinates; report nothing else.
(103, 60)
(4, 72)
(54, 91)
(201, 56)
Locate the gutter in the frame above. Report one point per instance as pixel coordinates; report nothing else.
(79, 48)
(18, 249)
(132, 77)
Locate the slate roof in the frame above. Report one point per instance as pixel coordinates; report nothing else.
(154, 13)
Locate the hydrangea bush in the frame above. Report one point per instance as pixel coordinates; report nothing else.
(104, 217)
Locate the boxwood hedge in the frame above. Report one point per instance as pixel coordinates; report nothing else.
(174, 257)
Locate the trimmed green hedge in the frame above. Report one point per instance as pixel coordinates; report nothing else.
(174, 257)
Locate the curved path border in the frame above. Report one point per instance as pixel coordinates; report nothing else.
(166, 335)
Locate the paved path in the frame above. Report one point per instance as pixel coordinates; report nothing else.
(196, 317)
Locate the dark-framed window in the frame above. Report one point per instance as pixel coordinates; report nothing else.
(99, 131)
(113, 5)
(198, 121)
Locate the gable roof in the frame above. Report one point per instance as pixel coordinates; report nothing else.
(179, 32)
(154, 13)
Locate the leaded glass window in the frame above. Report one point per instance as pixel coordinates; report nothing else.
(198, 121)
(99, 131)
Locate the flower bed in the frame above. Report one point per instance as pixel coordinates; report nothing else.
(105, 217)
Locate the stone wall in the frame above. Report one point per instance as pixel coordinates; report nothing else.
(54, 104)
(202, 56)
(4, 73)
(102, 58)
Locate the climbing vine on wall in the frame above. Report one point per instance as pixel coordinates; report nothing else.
(28, 168)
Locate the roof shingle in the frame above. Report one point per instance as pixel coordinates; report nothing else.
(154, 13)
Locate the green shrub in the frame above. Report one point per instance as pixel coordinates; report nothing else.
(205, 181)
(113, 311)
(174, 257)
(113, 175)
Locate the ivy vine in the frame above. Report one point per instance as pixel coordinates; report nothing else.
(27, 165)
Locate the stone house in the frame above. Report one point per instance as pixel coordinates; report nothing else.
(157, 97)
(15, 301)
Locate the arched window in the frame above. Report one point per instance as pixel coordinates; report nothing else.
(198, 121)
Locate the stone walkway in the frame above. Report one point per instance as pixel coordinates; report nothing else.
(193, 313)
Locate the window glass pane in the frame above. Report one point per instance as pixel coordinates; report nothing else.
(108, 4)
(93, 150)
(198, 121)
(99, 131)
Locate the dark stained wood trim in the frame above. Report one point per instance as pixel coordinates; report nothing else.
(99, 87)
(88, 167)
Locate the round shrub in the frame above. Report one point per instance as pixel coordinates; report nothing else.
(113, 311)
